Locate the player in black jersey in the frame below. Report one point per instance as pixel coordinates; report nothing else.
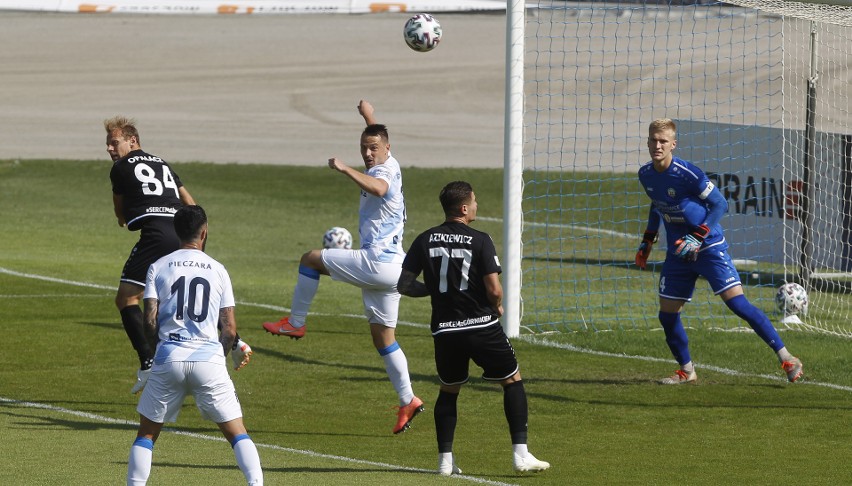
(146, 194)
(461, 275)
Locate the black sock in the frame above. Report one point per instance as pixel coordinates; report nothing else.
(515, 407)
(131, 318)
(445, 420)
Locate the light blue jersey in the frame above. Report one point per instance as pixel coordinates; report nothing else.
(191, 287)
(381, 219)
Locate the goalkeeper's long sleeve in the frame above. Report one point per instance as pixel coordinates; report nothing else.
(654, 220)
(717, 206)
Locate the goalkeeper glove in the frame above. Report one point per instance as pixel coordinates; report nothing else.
(687, 247)
(648, 240)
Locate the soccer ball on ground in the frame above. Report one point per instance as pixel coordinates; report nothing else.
(422, 32)
(792, 299)
(337, 238)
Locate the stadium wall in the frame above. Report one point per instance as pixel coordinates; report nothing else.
(257, 7)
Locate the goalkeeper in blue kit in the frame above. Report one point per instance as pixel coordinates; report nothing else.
(690, 206)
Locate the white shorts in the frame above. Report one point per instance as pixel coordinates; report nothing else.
(209, 383)
(377, 281)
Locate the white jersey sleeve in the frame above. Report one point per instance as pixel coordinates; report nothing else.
(382, 219)
(191, 288)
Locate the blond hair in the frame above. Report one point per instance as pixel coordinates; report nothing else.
(123, 123)
(661, 124)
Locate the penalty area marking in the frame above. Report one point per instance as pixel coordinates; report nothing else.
(131, 425)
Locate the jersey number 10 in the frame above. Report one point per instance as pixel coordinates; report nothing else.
(188, 298)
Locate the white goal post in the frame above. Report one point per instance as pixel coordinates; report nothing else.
(761, 93)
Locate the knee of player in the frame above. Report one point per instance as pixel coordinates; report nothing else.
(312, 259)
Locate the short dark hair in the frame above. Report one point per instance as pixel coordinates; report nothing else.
(188, 222)
(454, 195)
(376, 130)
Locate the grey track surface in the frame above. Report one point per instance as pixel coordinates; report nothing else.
(280, 89)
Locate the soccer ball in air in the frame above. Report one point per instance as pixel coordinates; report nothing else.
(337, 238)
(422, 32)
(792, 299)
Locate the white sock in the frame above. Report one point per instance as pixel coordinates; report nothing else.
(688, 367)
(249, 461)
(139, 462)
(445, 458)
(303, 295)
(520, 450)
(784, 355)
(396, 366)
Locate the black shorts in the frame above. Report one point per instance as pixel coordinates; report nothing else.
(157, 239)
(488, 347)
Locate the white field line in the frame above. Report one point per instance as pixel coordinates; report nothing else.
(533, 339)
(587, 229)
(101, 418)
(195, 435)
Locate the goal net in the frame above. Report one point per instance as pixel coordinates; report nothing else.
(760, 93)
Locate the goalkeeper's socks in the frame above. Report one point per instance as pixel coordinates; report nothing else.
(784, 355)
(675, 336)
(757, 320)
(306, 288)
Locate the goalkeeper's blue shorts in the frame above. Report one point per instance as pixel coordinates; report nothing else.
(677, 278)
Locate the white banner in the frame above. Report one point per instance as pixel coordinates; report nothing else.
(250, 6)
(764, 201)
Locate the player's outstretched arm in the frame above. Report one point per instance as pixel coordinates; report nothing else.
(366, 110)
(408, 285)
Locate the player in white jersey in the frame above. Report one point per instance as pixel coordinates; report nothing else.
(188, 295)
(375, 267)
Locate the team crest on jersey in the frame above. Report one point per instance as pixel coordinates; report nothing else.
(671, 192)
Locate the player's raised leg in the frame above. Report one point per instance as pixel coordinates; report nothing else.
(307, 284)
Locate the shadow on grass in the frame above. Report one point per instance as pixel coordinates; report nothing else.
(266, 469)
(379, 370)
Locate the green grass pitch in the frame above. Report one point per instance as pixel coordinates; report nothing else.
(321, 409)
